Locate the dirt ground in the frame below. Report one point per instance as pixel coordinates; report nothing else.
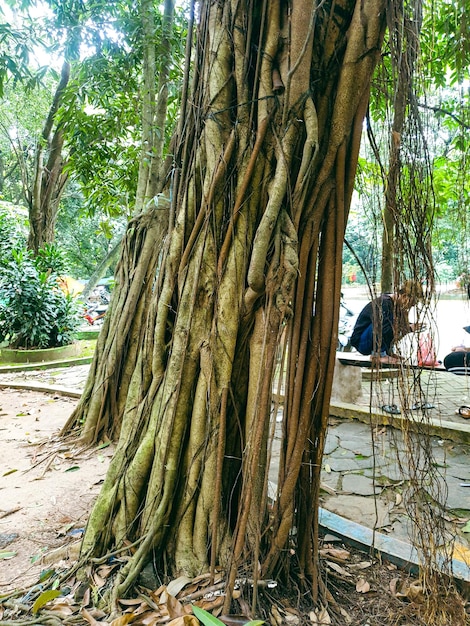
(46, 488)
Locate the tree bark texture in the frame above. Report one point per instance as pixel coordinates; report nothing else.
(404, 32)
(154, 105)
(49, 177)
(266, 162)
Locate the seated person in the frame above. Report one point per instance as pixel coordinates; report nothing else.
(384, 321)
(458, 361)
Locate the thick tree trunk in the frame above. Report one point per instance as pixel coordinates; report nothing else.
(266, 168)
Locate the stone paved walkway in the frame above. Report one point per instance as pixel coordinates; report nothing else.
(381, 476)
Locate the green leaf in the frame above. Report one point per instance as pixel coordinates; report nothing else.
(206, 618)
(7, 555)
(35, 557)
(45, 574)
(74, 468)
(466, 528)
(12, 471)
(44, 598)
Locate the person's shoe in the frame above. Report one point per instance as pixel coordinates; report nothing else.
(391, 408)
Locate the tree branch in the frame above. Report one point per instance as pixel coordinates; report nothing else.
(456, 118)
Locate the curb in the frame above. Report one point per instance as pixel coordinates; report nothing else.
(54, 389)
(45, 365)
(396, 551)
(459, 433)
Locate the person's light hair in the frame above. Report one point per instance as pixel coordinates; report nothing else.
(413, 289)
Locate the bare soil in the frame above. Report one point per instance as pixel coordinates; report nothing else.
(46, 487)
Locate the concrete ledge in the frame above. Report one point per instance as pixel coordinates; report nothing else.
(460, 433)
(398, 552)
(355, 359)
(54, 389)
(379, 374)
(25, 367)
(39, 355)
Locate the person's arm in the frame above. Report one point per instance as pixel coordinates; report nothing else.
(402, 325)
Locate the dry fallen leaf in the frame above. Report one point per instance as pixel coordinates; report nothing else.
(150, 619)
(361, 565)
(210, 605)
(122, 620)
(323, 617)
(335, 553)
(362, 586)
(185, 620)
(345, 614)
(415, 592)
(394, 586)
(89, 618)
(130, 601)
(276, 615)
(169, 605)
(175, 586)
(337, 568)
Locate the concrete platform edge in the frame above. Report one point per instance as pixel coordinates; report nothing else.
(398, 552)
(54, 389)
(45, 365)
(459, 433)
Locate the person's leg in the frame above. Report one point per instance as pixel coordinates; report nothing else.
(366, 342)
(458, 363)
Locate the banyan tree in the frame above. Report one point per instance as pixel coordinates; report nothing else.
(231, 277)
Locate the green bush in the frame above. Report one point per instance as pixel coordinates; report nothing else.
(34, 311)
(10, 237)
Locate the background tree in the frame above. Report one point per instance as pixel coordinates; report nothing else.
(430, 105)
(159, 40)
(94, 120)
(49, 178)
(403, 52)
(15, 48)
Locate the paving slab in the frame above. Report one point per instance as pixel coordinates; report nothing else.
(367, 511)
(359, 485)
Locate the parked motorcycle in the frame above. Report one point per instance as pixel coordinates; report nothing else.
(96, 306)
(347, 320)
(94, 313)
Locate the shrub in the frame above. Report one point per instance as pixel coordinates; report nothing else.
(10, 236)
(34, 311)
